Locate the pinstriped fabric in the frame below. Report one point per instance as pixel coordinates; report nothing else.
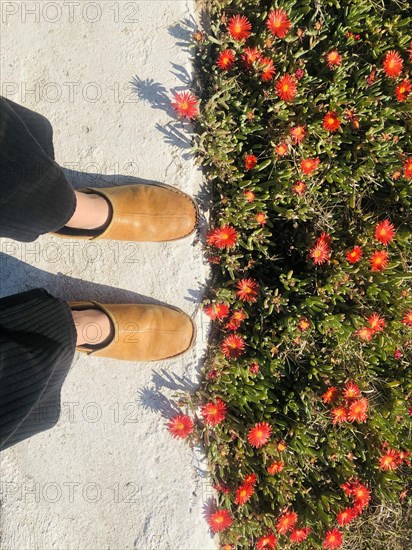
(38, 340)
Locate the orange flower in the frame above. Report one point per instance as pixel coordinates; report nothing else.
(339, 415)
(376, 322)
(217, 311)
(392, 64)
(286, 522)
(267, 67)
(281, 446)
(299, 535)
(389, 461)
(407, 318)
(361, 494)
(222, 237)
(331, 121)
(354, 255)
(379, 260)
(247, 290)
(384, 231)
(278, 23)
(364, 333)
(180, 426)
(309, 165)
(299, 188)
(226, 60)
(244, 493)
(358, 410)
(249, 195)
(250, 56)
(214, 413)
(298, 133)
(403, 90)
(236, 319)
(250, 162)
(261, 218)
(333, 539)
(185, 104)
(286, 87)
(303, 324)
(275, 467)
(282, 149)
(351, 390)
(330, 394)
(251, 479)
(233, 346)
(260, 434)
(220, 520)
(268, 542)
(333, 59)
(407, 170)
(320, 252)
(239, 27)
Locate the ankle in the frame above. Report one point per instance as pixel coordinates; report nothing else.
(93, 327)
(92, 212)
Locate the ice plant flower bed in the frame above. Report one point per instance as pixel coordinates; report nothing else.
(302, 113)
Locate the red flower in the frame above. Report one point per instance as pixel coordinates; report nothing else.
(286, 522)
(233, 346)
(250, 162)
(320, 252)
(282, 149)
(346, 516)
(222, 237)
(217, 311)
(331, 121)
(351, 390)
(354, 255)
(267, 67)
(379, 260)
(407, 171)
(299, 535)
(220, 520)
(254, 367)
(309, 165)
(222, 488)
(214, 413)
(403, 90)
(244, 493)
(286, 87)
(384, 231)
(261, 218)
(180, 426)
(250, 56)
(407, 318)
(299, 188)
(278, 23)
(303, 324)
(333, 539)
(392, 64)
(339, 415)
(299, 73)
(251, 479)
(298, 133)
(186, 104)
(235, 320)
(260, 434)
(333, 59)
(226, 60)
(376, 322)
(239, 27)
(389, 461)
(267, 542)
(361, 494)
(358, 410)
(275, 467)
(249, 195)
(330, 394)
(247, 290)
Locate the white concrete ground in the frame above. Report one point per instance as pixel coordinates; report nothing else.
(108, 476)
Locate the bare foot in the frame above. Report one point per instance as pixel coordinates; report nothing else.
(93, 326)
(92, 212)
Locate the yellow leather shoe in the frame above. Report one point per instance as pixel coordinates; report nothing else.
(142, 212)
(142, 332)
